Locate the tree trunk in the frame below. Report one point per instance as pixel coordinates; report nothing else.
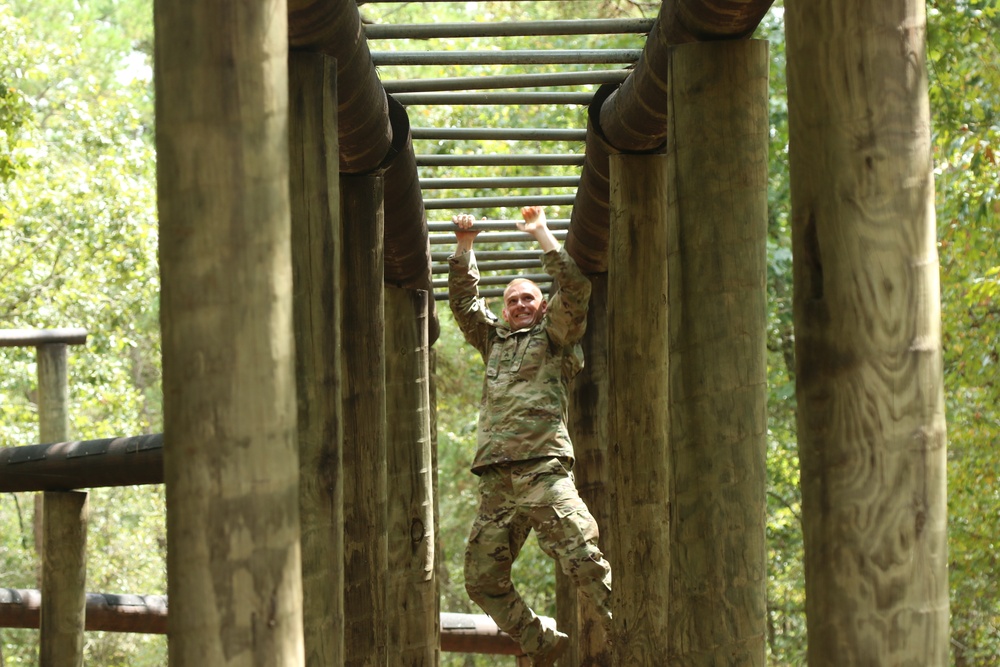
(230, 451)
(638, 423)
(870, 421)
(717, 161)
(412, 585)
(588, 425)
(316, 248)
(365, 556)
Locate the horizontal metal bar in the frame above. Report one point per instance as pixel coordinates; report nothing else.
(466, 203)
(587, 78)
(507, 57)
(499, 182)
(487, 292)
(495, 237)
(82, 464)
(484, 99)
(500, 160)
(497, 134)
(491, 254)
(508, 265)
(36, 337)
(540, 278)
(509, 28)
(447, 226)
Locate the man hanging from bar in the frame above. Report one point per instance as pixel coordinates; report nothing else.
(524, 454)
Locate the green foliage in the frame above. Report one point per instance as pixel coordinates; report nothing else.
(78, 232)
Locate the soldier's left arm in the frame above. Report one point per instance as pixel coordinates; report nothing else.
(567, 311)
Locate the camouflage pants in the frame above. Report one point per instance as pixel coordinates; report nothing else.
(515, 498)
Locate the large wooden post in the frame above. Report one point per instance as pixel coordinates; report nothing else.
(363, 363)
(230, 450)
(316, 247)
(871, 421)
(638, 406)
(588, 425)
(412, 584)
(64, 525)
(718, 140)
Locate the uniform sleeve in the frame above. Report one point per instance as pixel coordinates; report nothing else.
(473, 317)
(567, 312)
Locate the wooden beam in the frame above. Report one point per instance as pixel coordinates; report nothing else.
(363, 364)
(869, 388)
(317, 305)
(639, 407)
(718, 176)
(230, 449)
(412, 581)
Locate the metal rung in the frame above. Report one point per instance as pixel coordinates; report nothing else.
(509, 28)
(489, 292)
(497, 134)
(497, 237)
(499, 182)
(499, 160)
(586, 78)
(490, 254)
(484, 99)
(447, 226)
(473, 203)
(539, 278)
(508, 265)
(507, 57)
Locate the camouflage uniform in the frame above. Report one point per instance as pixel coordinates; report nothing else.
(524, 453)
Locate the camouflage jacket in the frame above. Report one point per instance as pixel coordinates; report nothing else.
(522, 414)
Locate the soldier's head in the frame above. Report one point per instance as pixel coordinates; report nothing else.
(523, 305)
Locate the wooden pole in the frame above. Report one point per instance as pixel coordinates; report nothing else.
(638, 424)
(64, 579)
(588, 425)
(412, 585)
(363, 363)
(230, 450)
(316, 248)
(869, 386)
(717, 162)
(63, 525)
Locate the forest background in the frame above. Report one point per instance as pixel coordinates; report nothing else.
(78, 244)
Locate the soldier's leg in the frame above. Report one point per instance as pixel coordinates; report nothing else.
(568, 533)
(495, 540)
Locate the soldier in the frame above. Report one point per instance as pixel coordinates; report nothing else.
(524, 454)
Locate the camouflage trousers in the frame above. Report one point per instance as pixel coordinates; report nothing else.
(515, 498)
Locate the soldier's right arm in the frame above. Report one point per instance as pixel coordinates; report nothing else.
(473, 317)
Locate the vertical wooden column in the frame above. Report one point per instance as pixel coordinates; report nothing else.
(638, 405)
(64, 525)
(230, 448)
(588, 425)
(412, 599)
(316, 248)
(717, 163)
(363, 363)
(869, 385)
(64, 578)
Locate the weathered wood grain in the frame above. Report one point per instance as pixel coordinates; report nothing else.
(316, 247)
(717, 157)
(870, 421)
(230, 451)
(363, 364)
(638, 408)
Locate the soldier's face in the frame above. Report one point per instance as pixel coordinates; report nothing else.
(523, 305)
